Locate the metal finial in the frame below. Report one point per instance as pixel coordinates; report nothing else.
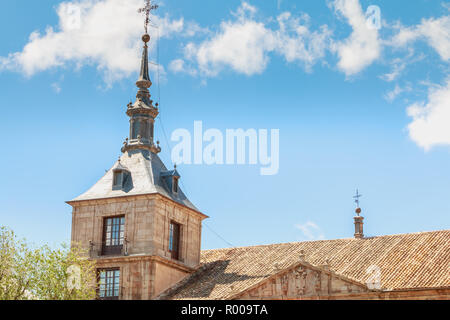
(146, 10)
(356, 197)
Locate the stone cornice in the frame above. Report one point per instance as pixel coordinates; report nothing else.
(137, 257)
(140, 145)
(131, 198)
(141, 107)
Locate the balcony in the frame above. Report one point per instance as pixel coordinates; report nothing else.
(100, 250)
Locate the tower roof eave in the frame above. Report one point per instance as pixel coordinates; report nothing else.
(145, 168)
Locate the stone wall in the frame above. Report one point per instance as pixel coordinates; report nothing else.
(302, 282)
(147, 222)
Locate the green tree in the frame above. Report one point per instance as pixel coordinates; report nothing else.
(44, 273)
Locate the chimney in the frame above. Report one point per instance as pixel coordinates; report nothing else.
(359, 233)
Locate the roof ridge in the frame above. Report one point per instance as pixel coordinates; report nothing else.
(322, 240)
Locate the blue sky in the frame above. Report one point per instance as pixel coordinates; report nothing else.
(357, 107)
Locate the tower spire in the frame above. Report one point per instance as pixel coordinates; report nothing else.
(144, 83)
(142, 112)
(144, 74)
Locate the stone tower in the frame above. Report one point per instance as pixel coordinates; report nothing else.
(137, 224)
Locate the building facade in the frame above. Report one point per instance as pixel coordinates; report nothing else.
(145, 236)
(136, 222)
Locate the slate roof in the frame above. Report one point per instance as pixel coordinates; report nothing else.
(406, 261)
(145, 168)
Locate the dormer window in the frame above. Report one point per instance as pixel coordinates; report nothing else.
(175, 185)
(171, 179)
(120, 176)
(118, 179)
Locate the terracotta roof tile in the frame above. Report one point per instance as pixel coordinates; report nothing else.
(406, 261)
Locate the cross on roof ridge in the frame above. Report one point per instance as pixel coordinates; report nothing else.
(356, 197)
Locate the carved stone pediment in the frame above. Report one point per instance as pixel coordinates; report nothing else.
(303, 282)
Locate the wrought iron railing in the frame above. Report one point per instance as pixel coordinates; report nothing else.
(98, 250)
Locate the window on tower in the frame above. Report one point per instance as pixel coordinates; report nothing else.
(113, 235)
(136, 129)
(109, 284)
(174, 240)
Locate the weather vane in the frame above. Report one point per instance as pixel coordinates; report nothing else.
(146, 10)
(356, 197)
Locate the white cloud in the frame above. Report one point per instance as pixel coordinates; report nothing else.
(446, 5)
(244, 43)
(104, 33)
(430, 120)
(179, 66)
(296, 42)
(393, 94)
(192, 28)
(399, 66)
(435, 31)
(241, 45)
(56, 87)
(363, 46)
(311, 231)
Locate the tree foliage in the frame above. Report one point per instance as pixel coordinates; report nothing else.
(43, 273)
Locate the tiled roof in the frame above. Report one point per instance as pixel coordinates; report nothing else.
(145, 168)
(406, 261)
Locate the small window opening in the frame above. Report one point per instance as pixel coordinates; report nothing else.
(118, 179)
(174, 240)
(175, 185)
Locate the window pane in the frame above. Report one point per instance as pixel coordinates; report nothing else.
(174, 240)
(117, 178)
(110, 284)
(114, 231)
(171, 237)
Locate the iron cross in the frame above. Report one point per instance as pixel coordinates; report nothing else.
(146, 10)
(356, 197)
